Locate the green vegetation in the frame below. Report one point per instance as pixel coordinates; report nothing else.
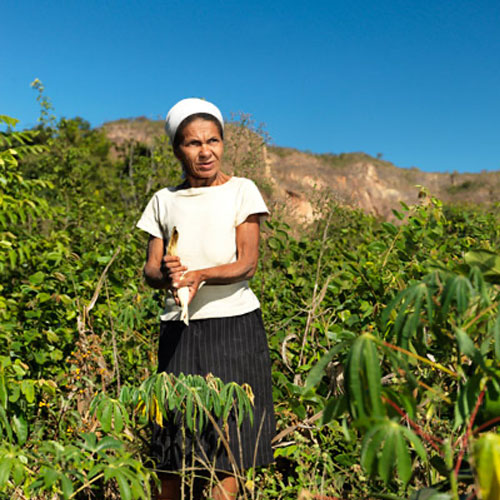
(463, 186)
(385, 338)
(342, 160)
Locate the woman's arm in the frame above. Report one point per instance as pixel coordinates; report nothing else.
(160, 270)
(247, 256)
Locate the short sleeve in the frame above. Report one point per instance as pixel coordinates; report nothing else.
(150, 219)
(250, 202)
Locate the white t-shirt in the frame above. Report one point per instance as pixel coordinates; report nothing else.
(206, 219)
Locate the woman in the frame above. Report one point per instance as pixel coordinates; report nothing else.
(217, 218)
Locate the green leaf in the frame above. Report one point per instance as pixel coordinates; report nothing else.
(317, 372)
(28, 389)
(415, 441)
(373, 378)
(403, 462)
(488, 261)
(189, 412)
(386, 462)
(274, 243)
(227, 401)
(496, 337)
(43, 297)
(463, 289)
(4, 422)
(390, 228)
(363, 379)
(50, 476)
(355, 388)
(406, 323)
(333, 409)
(386, 447)
(67, 486)
(20, 428)
(486, 452)
(5, 467)
(11, 122)
(370, 448)
(105, 417)
(429, 494)
(18, 472)
(108, 443)
(3, 391)
(37, 278)
(117, 417)
(125, 492)
(468, 348)
(465, 401)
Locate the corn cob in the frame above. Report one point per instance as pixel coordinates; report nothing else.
(182, 293)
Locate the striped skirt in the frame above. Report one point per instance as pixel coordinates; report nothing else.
(235, 350)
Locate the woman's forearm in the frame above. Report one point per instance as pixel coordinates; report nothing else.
(155, 278)
(228, 273)
(247, 246)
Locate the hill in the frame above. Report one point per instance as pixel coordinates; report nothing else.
(298, 178)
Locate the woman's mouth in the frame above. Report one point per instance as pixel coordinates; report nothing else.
(206, 165)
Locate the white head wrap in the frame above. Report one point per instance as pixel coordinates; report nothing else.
(188, 107)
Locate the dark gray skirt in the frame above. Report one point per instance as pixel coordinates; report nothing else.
(235, 350)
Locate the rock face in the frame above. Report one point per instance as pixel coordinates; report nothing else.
(305, 179)
(302, 181)
(139, 129)
(367, 183)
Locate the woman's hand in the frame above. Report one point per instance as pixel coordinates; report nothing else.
(191, 279)
(173, 269)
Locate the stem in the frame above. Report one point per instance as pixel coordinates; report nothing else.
(427, 437)
(116, 365)
(448, 458)
(469, 430)
(429, 388)
(86, 309)
(393, 243)
(314, 302)
(482, 313)
(486, 425)
(86, 485)
(437, 366)
(183, 470)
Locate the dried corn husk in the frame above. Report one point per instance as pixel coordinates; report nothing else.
(182, 293)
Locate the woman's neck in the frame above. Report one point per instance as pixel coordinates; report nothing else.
(217, 180)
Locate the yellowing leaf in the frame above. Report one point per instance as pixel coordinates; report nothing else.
(486, 452)
(250, 485)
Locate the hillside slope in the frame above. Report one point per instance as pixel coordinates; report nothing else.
(355, 179)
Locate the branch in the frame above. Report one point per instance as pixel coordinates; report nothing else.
(291, 428)
(427, 437)
(469, 430)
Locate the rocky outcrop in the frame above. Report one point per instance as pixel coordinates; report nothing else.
(373, 185)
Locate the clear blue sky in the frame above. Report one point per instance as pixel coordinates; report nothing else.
(418, 81)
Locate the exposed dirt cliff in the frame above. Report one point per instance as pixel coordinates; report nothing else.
(374, 185)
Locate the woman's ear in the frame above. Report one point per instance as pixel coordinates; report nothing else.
(177, 154)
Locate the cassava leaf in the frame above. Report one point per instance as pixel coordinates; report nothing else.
(386, 461)
(468, 348)
(486, 452)
(403, 459)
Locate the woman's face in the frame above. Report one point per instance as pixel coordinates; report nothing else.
(200, 151)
